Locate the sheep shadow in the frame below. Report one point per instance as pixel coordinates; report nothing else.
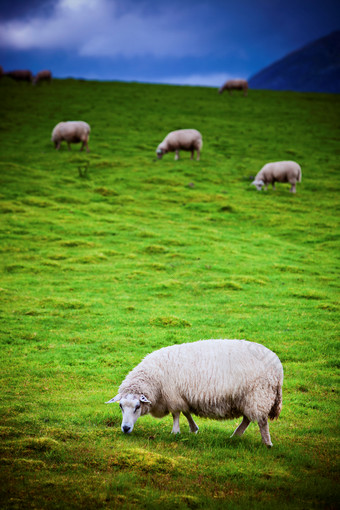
(207, 438)
(84, 171)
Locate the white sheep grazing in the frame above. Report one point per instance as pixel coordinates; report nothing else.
(231, 85)
(73, 131)
(280, 171)
(182, 139)
(43, 76)
(218, 379)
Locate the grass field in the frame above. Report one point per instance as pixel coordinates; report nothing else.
(110, 255)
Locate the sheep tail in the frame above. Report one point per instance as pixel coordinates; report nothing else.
(275, 411)
(300, 176)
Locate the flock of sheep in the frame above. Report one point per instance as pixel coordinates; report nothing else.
(188, 140)
(217, 379)
(182, 139)
(26, 75)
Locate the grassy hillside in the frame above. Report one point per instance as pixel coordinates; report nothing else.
(110, 255)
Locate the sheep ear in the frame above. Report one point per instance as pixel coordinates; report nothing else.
(114, 399)
(143, 398)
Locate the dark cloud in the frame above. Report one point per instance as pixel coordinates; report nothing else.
(96, 28)
(155, 40)
(18, 9)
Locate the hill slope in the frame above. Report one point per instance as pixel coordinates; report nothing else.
(313, 68)
(108, 255)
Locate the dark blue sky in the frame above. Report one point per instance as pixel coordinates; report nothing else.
(201, 42)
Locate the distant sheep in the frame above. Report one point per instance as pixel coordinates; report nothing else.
(20, 75)
(231, 85)
(182, 139)
(45, 75)
(74, 131)
(280, 171)
(217, 379)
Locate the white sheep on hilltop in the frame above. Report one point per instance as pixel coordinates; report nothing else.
(217, 379)
(44, 75)
(280, 171)
(231, 85)
(182, 139)
(20, 75)
(73, 131)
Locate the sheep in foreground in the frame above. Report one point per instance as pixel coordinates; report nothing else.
(73, 131)
(281, 171)
(45, 75)
(182, 139)
(231, 85)
(217, 379)
(20, 75)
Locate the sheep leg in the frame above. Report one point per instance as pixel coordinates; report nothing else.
(69, 146)
(175, 427)
(241, 428)
(192, 155)
(84, 144)
(293, 188)
(273, 185)
(198, 155)
(176, 155)
(193, 426)
(264, 429)
(265, 187)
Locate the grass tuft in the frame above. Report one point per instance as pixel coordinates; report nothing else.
(144, 460)
(169, 322)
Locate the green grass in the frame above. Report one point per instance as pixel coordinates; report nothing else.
(110, 255)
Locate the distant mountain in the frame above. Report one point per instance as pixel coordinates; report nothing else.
(313, 68)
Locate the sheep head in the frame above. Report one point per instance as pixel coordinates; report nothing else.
(132, 408)
(258, 184)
